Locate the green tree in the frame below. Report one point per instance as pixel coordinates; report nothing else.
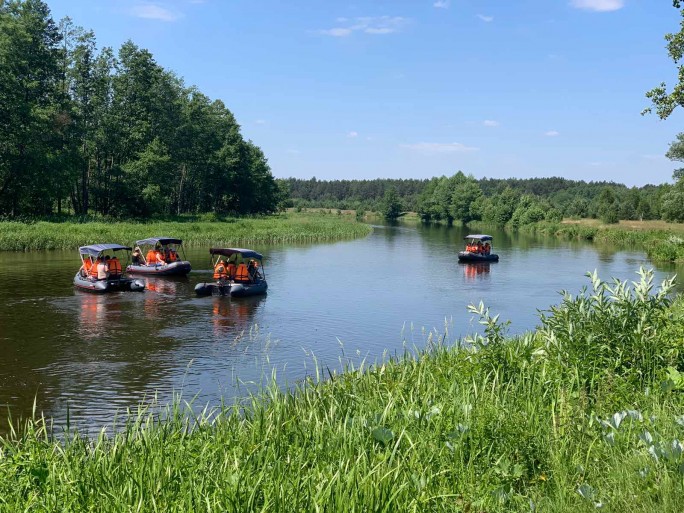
(391, 206)
(32, 116)
(666, 102)
(607, 206)
(465, 199)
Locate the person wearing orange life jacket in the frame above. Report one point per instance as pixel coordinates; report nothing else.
(93, 268)
(220, 270)
(115, 266)
(85, 268)
(151, 257)
(171, 255)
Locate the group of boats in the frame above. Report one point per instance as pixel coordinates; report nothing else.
(237, 272)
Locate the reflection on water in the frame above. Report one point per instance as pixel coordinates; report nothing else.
(101, 354)
(476, 270)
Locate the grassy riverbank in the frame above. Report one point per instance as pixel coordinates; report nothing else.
(579, 415)
(661, 241)
(279, 229)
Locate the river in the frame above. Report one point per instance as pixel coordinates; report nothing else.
(94, 356)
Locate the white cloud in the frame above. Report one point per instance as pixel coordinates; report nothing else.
(352, 134)
(261, 122)
(425, 147)
(154, 12)
(598, 5)
(490, 122)
(485, 18)
(378, 25)
(293, 152)
(336, 32)
(441, 4)
(552, 133)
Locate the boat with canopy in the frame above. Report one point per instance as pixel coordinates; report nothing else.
(478, 249)
(159, 256)
(101, 269)
(238, 272)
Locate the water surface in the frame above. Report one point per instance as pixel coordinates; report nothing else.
(98, 355)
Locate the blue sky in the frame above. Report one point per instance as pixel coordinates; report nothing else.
(421, 88)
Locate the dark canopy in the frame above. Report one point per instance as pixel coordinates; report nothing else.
(245, 253)
(161, 240)
(96, 249)
(478, 237)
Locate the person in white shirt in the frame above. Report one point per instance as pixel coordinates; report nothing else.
(102, 270)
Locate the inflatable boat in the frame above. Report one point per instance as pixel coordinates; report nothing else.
(87, 276)
(478, 249)
(237, 273)
(162, 257)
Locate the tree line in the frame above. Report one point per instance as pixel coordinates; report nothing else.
(89, 130)
(511, 201)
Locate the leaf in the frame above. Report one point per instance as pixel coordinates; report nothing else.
(610, 438)
(383, 435)
(617, 419)
(646, 438)
(587, 491)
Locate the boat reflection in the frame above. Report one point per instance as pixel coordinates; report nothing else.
(475, 271)
(94, 312)
(160, 291)
(233, 315)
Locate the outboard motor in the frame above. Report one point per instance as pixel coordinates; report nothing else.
(137, 286)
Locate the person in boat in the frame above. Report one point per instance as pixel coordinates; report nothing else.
(114, 266)
(102, 269)
(479, 249)
(136, 256)
(487, 248)
(85, 268)
(155, 256)
(221, 270)
(171, 255)
(253, 270)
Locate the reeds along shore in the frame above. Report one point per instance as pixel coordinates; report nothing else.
(585, 413)
(664, 245)
(280, 229)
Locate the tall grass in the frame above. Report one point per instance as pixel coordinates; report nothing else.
(659, 244)
(284, 228)
(585, 413)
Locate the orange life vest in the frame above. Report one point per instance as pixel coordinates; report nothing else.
(241, 274)
(231, 270)
(114, 266)
(93, 268)
(220, 271)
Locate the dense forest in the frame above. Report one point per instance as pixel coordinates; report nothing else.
(113, 133)
(511, 201)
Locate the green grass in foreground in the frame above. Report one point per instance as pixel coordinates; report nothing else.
(584, 413)
(280, 229)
